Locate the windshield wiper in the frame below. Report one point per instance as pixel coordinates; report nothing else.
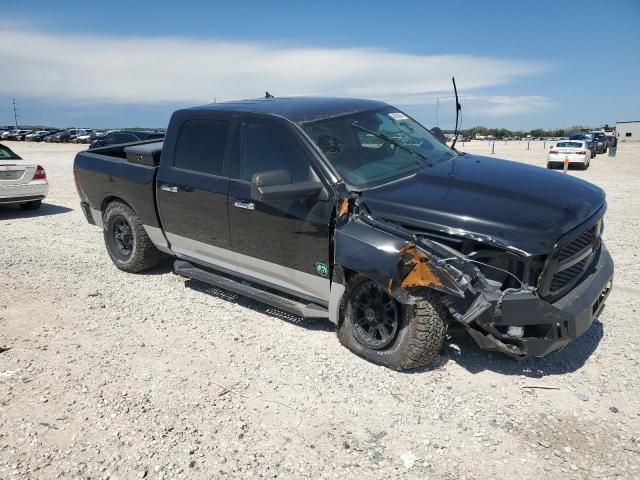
(387, 138)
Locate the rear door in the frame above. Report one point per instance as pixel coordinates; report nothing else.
(285, 242)
(192, 189)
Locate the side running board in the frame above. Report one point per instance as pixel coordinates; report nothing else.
(306, 310)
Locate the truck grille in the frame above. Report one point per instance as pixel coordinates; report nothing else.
(564, 277)
(578, 244)
(570, 261)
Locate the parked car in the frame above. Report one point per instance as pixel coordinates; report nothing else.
(21, 182)
(4, 134)
(98, 134)
(126, 136)
(83, 135)
(600, 142)
(57, 137)
(73, 134)
(586, 137)
(63, 136)
(36, 135)
(576, 151)
(363, 218)
(4, 131)
(43, 137)
(17, 135)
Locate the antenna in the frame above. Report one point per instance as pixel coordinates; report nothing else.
(15, 113)
(458, 108)
(437, 109)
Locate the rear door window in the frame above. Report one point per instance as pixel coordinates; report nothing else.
(266, 148)
(6, 154)
(201, 145)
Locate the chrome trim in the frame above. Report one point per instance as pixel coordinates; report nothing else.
(287, 278)
(575, 258)
(244, 204)
(169, 188)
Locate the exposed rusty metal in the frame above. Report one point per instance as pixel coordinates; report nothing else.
(421, 273)
(415, 268)
(343, 207)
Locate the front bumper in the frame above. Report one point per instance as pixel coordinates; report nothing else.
(544, 327)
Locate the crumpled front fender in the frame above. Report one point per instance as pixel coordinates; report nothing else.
(400, 264)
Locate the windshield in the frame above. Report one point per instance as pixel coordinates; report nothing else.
(377, 146)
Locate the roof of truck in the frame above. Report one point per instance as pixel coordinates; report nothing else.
(298, 109)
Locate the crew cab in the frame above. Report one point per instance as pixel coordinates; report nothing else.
(351, 210)
(22, 182)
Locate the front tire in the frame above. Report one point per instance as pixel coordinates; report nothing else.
(379, 329)
(127, 242)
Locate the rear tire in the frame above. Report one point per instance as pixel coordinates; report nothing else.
(34, 205)
(414, 333)
(127, 242)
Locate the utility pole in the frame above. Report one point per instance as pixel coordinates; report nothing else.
(15, 113)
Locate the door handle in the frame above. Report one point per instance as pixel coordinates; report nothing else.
(244, 204)
(169, 188)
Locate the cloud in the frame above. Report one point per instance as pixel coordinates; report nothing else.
(485, 105)
(135, 69)
(503, 106)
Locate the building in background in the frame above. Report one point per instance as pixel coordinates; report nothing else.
(628, 131)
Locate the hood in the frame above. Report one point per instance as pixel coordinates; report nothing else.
(500, 202)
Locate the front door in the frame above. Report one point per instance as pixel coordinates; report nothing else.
(283, 242)
(192, 190)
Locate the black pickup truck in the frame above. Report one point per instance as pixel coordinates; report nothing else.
(351, 210)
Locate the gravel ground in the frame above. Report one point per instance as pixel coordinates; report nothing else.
(105, 374)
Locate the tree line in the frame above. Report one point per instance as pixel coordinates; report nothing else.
(535, 133)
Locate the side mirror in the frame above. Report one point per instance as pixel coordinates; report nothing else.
(276, 184)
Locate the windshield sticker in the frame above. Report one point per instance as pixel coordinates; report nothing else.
(397, 116)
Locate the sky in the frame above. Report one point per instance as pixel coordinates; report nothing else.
(126, 64)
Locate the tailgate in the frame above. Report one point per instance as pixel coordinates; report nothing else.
(16, 173)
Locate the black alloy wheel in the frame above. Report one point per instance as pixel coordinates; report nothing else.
(122, 237)
(376, 316)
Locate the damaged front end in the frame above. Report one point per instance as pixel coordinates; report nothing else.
(492, 292)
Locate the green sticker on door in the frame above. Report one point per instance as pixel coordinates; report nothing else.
(322, 269)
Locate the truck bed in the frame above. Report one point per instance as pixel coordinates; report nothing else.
(105, 172)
